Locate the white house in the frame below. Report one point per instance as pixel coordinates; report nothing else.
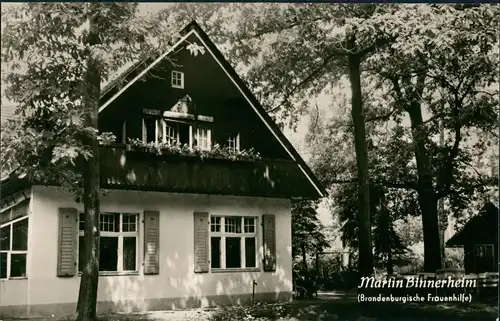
(176, 230)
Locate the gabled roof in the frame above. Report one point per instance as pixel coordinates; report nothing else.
(478, 228)
(194, 29)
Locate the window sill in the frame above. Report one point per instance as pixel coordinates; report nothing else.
(232, 270)
(110, 273)
(14, 278)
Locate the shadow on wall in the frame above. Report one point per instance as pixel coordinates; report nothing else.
(163, 292)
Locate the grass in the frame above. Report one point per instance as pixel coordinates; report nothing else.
(319, 310)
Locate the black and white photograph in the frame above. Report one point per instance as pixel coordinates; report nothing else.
(204, 161)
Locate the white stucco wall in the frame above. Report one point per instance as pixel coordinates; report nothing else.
(177, 279)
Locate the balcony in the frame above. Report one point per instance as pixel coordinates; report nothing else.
(141, 170)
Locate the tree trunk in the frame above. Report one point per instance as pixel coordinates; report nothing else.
(365, 261)
(317, 262)
(304, 256)
(443, 219)
(390, 265)
(426, 194)
(87, 297)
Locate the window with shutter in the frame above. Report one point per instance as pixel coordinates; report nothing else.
(201, 261)
(68, 233)
(151, 242)
(118, 242)
(233, 242)
(269, 240)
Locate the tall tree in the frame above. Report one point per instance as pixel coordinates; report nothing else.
(387, 206)
(298, 50)
(294, 51)
(87, 297)
(55, 58)
(444, 71)
(307, 230)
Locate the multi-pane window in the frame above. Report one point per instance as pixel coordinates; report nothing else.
(203, 138)
(232, 224)
(249, 225)
(13, 248)
(233, 242)
(118, 242)
(161, 131)
(215, 224)
(171, 133)
(234, 142)
(177, 79)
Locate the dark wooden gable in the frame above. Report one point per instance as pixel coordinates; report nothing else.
(218, 93)
(209, 87)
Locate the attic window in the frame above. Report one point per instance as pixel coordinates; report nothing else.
(177, 79)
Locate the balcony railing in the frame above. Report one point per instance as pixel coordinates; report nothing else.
(141, 170)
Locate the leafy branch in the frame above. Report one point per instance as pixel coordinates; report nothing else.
(307, 79)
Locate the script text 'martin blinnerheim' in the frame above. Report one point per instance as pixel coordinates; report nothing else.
(415, 282)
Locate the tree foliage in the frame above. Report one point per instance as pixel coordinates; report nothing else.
(55, 59)
(43, 74)
(307, 230)
(425, 66)
(57, 56)
(446, 71)
(310, 46)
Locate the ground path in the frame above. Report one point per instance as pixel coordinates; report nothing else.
(335, 306)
